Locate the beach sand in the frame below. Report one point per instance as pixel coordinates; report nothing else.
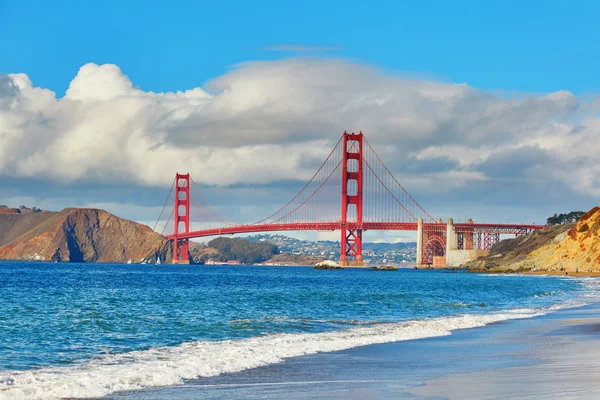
(553, 356)
(563, 273)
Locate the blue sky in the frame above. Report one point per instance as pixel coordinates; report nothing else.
(488, 110)
(533, 46)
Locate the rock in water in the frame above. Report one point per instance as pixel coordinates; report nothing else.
(384, 268)
(327, 264)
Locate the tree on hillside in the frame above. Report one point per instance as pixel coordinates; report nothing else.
(559, 219)
(244, 251)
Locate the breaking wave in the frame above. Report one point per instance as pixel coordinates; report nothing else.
(164, 366)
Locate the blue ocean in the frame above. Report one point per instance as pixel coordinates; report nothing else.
(86, 330)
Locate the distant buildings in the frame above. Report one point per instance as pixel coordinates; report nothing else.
(373, 253)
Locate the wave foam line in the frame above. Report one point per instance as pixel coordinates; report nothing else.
(165, 366)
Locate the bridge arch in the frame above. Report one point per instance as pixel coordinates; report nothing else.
(435, 246)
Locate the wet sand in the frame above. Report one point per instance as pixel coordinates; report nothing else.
(562, 362)
(553, 356)
(563, 273)
(552, 273)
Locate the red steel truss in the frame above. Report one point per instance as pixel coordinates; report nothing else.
(484, 236)
(334, 226)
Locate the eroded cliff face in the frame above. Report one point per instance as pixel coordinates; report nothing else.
(579, 250)
(87, 235)
(568, 248)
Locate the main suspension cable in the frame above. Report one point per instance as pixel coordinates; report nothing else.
(163, 208)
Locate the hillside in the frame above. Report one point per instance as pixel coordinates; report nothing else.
(78, 235)
(243, 251)
(13, 225)
(374, 253)
(561, 248)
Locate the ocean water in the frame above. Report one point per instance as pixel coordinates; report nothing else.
(86, 330)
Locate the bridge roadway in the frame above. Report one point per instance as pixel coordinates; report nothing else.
(365, 226)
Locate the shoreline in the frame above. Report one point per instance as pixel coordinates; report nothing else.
(565, 273)
(159, 368)
(528, 357)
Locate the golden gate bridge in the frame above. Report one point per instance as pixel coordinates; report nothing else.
(352, 191)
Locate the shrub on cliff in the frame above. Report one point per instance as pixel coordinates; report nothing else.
(561, 219)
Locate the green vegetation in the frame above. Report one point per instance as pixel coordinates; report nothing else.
(560, 219)
(244, 251)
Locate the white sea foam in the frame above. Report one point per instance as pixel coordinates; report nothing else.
(166, 366)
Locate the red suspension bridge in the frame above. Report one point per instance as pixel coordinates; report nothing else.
(352, 191)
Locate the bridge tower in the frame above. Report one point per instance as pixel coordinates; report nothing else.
(352, 200)
(182, 214)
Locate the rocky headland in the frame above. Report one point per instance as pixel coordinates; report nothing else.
(79, 235)
(569, 249)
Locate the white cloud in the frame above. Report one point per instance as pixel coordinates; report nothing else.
(264, 121)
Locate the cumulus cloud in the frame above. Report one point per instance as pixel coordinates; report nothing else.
(275, 121)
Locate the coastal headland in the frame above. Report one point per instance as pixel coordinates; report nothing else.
(570, 249)
(78, 235)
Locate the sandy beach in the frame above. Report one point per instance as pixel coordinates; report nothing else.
(556, 355)
(595, 274)
(563, 273)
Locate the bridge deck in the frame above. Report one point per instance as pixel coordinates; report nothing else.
(365, 226)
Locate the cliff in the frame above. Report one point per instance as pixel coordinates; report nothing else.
(79, 235)
(564, 248)
(579, 250)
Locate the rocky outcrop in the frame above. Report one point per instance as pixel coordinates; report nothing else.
(327, 264)
(81, 235)
(384, 268)
(562, 248)
(294, 259)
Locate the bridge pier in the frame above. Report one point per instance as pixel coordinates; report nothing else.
(181, 253)
(420, 242)
(352, 172)
(451, 242)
